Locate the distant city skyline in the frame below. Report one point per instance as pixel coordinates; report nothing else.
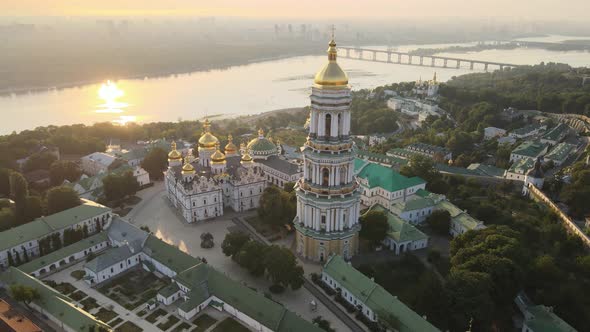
(525, 9)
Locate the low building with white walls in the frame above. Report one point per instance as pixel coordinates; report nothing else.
(97, 162)
(383, 185)
(519, 169)
(26, 237)
(402, 236)
(372, 300)
(92, 187)
(493, 132)
(193, 285)
(529, 150)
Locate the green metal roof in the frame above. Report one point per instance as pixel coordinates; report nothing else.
(64, 252)
(414, 204)
(522, 166)
(399, 229)
(374, 296)
(556, 133)
(530, 149)
(560, 152)
(384, 177)
(487, 170)
(458, 215)
(544, 320)
(45, 225)
(108, 258)
(54, 303)
(169, 290)
(169, 255)
(381, 158)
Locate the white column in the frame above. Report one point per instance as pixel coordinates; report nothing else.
(341, 219)
(312, 122)
(334, 126)
(328, 216)
(321, 124)
(337, 175)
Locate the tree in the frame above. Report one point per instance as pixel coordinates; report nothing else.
(374, 227)
(233, 243)
(117, 187)
(440, 221)
(64, 170)
(34, 208)
(155, 162)
(24, 294)
(289, 186)
(61, 198)
(323, 324)
(5, 182)
(469, 298)
(19, 191)
(271, 209)
(7, 219)
(420, 166)
(251, 257)
(282, 268)
(207, 240)
(37, 161)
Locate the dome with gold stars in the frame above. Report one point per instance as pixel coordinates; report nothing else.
(207, 140)
(331, 75)
(261, 146)
(230, 148)
(218, 156)
(174, 154)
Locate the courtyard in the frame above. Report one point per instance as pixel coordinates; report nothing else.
(155, 212)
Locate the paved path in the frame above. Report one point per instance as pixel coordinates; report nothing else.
(329, 303)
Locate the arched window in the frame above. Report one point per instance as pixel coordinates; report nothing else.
(328, 124)
(325, 177)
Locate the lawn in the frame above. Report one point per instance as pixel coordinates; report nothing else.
(78, 295)
(230, 325)
(89, 303)
(78, 274)
(115, 322)
(133, 288)
(155, 315)
(105, 315)
(184, 326)
(128, 327)
(203, 322)
(168, 323)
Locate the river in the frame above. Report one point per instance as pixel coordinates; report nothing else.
(238, 90)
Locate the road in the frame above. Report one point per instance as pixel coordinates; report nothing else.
(351, 323)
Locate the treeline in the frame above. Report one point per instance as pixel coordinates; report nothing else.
(554, 88)
(20, 206)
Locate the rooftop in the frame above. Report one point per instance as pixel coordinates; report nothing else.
(108, 258)
(374, 296)
(556, 133)
(560, 152)
(384, 177)
(45, 225)
(280, 164)
(530, 149)
(399, 229)
(542, 319)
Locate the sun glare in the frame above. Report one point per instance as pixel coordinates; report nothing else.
(109, 92)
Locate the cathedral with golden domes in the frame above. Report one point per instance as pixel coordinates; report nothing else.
(201, 185)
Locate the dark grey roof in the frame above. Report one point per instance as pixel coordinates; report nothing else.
(109, 258)
(280, 164)
(123, 232)
(537, 170)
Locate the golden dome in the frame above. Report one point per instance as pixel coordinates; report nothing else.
(246, 158)
(207, 140)
(188, 168)
(174, 154)
(331, 74)
(230, 147)
(218, 156)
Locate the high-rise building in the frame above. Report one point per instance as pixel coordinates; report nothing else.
(328, 201)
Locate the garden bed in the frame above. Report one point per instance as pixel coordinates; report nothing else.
(89, 303)
(65, 288)
(128, 327)
(133, 288)
(168, 323)
(105, 315)
(184, 326)
(78, 295)
(115, 322)
(155, 315)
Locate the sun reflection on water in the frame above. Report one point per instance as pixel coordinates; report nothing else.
(109, 93)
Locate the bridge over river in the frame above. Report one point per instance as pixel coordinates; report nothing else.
(404, 58)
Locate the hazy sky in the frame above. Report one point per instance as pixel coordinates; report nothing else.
(313, 9)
